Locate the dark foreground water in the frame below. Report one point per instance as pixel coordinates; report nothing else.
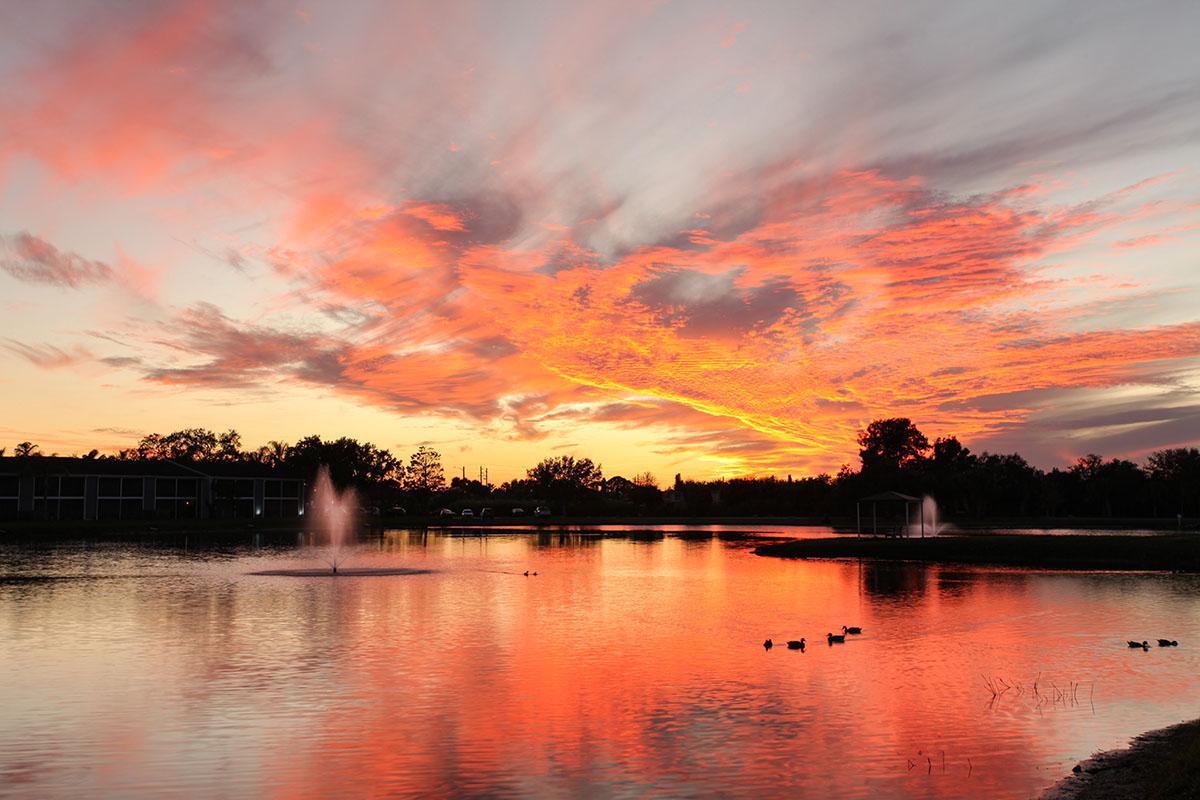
(626, 667)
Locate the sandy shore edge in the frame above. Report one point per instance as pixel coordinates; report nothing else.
(1163, 763)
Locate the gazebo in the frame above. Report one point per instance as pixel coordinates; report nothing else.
(889, 498)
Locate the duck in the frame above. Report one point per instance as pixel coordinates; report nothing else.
(1143, 645)
(525, 573)
(854, 630)
(1168, 643)
(768, 644)
(838, 639)
(794, 645)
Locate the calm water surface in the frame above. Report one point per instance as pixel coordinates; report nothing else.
(626, 667)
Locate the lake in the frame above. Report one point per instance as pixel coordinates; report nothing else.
(627, 667)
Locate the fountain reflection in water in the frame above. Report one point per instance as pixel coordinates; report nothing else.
(332, 516)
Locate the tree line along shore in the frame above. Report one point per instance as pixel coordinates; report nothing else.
(969, 488)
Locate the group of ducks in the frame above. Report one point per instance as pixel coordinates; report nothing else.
(832, 638)
(1161, 643)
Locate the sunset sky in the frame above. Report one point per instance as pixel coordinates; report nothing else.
(707, 238)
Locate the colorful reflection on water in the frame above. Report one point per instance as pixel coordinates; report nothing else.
(626, 667)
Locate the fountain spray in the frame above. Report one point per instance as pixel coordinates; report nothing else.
(332, 515)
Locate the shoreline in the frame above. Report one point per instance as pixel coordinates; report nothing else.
(1167, 552)
(1163, 763)
(11, 529)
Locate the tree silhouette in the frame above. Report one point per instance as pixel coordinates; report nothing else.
(889, 444)
(566, 478)
(645, 479)
(425, 472)
(25, 450)
(229, 446)
(350, 461)
(567, 472)
(277, 452)
(1176, 471)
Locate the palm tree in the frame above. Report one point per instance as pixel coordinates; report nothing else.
(25, 449)
(278, 452)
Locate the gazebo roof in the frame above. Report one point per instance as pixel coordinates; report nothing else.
(904, 498)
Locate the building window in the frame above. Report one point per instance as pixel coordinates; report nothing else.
(58, 497)
(10, 489)
(120, 498)
(176, 498)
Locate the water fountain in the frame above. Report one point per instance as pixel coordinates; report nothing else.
(929, 508)
(925, 520)
(332, 519)
(332, 515)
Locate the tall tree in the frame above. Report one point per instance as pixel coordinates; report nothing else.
(277, 452)
(25, 450)
(566, 478)
(350, 461)
(646, 479)
(229, 446)
(889, 444)
(949, 454)
(189, 444)
(425, 473)
(1175, 473)
(567, 472)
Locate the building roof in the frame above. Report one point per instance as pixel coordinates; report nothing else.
(161, 468)
(897, 496)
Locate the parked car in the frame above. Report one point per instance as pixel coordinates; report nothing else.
(466, 512)
(486, 512)
(445, 512)
(541, 511)
(397, 511)
(369, 511)
(518, 512)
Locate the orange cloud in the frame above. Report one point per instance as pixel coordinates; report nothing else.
(860, 297)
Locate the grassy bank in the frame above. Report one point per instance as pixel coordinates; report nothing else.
(1157, 765)
(1176, 552)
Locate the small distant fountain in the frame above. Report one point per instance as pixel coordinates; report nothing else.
(331, 518)
(929, 508)
(332, 515)
(925, 521)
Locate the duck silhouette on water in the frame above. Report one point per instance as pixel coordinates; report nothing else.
(1168, 643)
(768, 644)
(854, 630)
(796, 645)
(1143, 645)
(835, 638)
